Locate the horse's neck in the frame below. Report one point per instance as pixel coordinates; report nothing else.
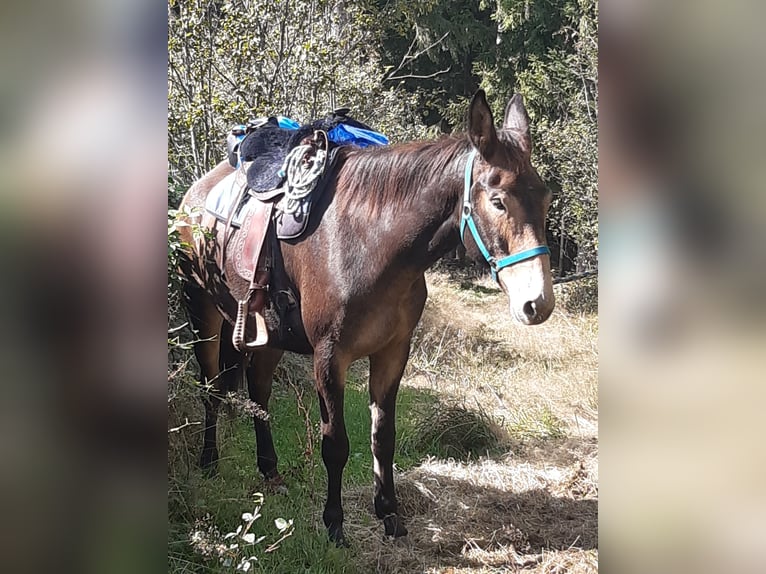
(430, 217)
(445, 236)
(439, 203)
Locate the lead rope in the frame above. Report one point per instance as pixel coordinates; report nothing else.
(302, 170)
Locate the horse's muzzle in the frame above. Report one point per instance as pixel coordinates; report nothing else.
(530, 289)
(533, 312)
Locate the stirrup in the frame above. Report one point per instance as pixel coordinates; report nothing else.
(240, 328)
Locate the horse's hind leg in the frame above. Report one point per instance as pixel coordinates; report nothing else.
(218, 371)
(386, 369)
(259, 378)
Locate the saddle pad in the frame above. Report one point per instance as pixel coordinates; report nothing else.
(223, 197)
(266, 149)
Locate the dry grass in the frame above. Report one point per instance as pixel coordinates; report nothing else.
(468, 348)
(532, 508)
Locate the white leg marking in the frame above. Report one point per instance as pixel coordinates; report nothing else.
(375, 414)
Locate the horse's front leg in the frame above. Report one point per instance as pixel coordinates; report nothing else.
(386, 369)
(330, 371)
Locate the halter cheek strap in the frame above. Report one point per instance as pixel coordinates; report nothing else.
(467, 220)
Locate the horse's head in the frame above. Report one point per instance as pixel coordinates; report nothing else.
(508, 205)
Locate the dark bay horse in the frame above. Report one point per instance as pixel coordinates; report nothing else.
(355, 282)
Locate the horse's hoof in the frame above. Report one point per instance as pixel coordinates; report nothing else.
(209, 464)
(394, 527)
(276, 484)
(336, 535)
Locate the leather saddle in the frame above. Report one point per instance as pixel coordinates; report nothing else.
(250, 259)
(261, 199)
(248, 252)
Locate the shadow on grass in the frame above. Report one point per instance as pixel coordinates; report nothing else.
(580, 296)
(461, 271)
(532, 520)
(478, 289)
(454, 522)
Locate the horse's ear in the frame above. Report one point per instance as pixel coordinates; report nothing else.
(481, 125)
(516, 120)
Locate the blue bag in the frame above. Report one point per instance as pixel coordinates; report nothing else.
(348, 134)
(287, 123)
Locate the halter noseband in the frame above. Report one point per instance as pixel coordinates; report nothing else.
(467, 219)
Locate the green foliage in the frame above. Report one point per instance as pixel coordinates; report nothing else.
(430, 48)
(550, 55)
(230, 61)
(175, 249)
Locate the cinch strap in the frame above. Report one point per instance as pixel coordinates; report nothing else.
(467, 219)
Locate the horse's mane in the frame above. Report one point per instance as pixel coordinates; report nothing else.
(392, 176)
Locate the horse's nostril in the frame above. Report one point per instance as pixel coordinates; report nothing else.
(530, 309)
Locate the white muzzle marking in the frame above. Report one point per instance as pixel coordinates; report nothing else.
(529, 288)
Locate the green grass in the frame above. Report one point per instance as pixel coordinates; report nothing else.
(451, 430)
(227, 495)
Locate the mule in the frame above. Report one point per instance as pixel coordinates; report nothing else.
(353, 286)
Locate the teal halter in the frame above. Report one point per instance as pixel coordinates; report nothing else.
(467, 219)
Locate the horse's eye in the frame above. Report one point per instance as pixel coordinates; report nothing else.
(498, 204)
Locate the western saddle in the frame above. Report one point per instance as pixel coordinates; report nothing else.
(281, 171)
